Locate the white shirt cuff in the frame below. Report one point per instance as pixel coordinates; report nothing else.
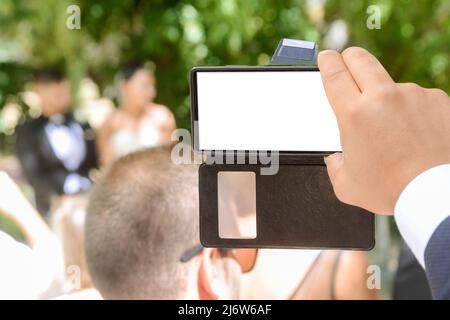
(422, 206)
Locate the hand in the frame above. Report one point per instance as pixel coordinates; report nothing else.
(390, 132)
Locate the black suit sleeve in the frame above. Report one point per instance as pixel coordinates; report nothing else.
(437, 261)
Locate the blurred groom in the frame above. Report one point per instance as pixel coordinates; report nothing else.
(55, 151)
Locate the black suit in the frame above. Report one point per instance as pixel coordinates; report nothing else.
(410, 282)
(43, 169)
(437, 261)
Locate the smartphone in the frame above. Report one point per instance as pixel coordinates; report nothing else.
(271, 108)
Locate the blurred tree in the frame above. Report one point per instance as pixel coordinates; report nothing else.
(413, 42)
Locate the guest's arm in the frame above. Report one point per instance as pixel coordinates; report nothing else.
(166, 121)
(45, 266)
(15, 206)
(396, 154)
(102, 142)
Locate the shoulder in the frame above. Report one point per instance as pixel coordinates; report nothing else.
(112, 122)
(33, 122)
(161, 112)
(30, 126)
(159, 108)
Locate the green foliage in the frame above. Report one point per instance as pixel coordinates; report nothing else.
(413, 42)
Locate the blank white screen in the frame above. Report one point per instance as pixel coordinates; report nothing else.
(273, 110)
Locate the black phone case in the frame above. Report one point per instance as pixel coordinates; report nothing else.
(296, 208)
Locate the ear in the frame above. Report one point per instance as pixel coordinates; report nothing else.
(208, 279)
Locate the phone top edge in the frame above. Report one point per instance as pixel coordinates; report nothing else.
(232, 68)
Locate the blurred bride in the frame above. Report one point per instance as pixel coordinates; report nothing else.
(139, 122)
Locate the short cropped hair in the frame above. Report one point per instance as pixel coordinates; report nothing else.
(142, 216)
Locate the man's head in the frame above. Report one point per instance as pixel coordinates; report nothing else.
(142, 217)
(53, 90)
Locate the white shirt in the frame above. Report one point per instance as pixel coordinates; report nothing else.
(66, 141)
(422, 206)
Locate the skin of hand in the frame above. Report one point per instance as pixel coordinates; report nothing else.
(390, 132)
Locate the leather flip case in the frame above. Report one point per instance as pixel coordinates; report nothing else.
(296, 208)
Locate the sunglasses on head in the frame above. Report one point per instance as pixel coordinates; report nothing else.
(245, 257)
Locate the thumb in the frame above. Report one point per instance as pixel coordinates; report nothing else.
(334, 162)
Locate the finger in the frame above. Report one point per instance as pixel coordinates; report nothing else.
(365, 69)
(339, 85)
(334, 163)
(335, 169)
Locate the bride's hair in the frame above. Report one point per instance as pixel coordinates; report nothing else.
(127, 71)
